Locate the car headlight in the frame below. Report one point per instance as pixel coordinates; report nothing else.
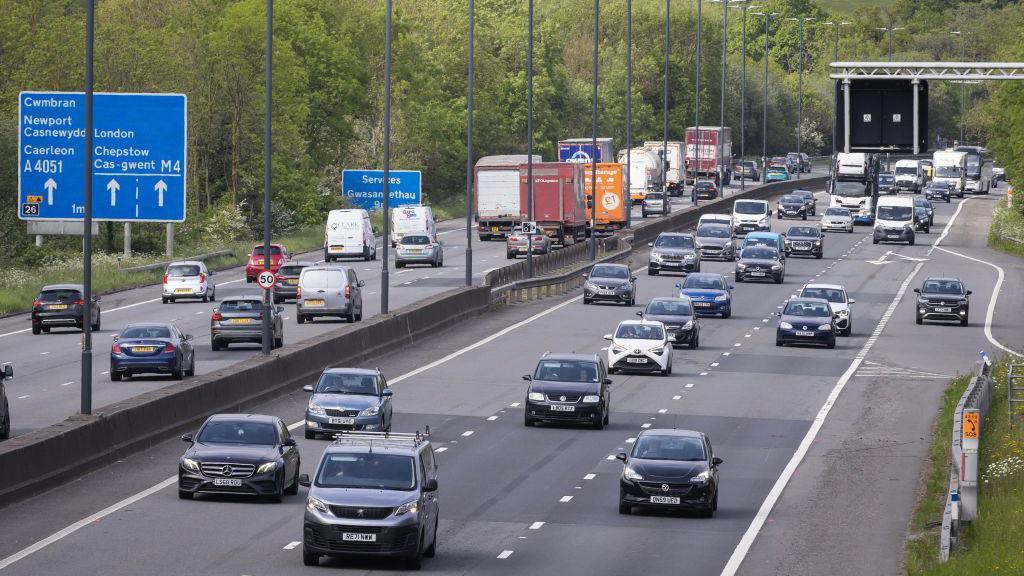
(316, 504)
(655, 256)
(701, 478)
(591, 399)
(690, 256)
(589, 285)
(817, 242)
(908, 226)
(657, 350)
(720, 298)
(536, 397)
(922, 300)
(763, 220)
(316, 409)
(371, 411)
(843, 313)
(741, 266)
(825, 327)
(785, 325)
(776, 266)
(190, 465)
(266, 467)
(618, 349)
(700, 245)
(631, 474)
(688, 325)
(409, 507)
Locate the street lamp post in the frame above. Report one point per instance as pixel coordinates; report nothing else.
(629, 110)
(835, 58)
(593, 136)
(469, 151)
(268, 331)
(890, 29)
(800, 95)
(696, 112)
(743, 97)
(764, 115)
(529, 139)
(664, 105)
(963, 85)
(387, 159)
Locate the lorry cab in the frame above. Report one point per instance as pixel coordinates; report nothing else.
(951, 168)
(349, 234)
(856, 197)
(416, 219)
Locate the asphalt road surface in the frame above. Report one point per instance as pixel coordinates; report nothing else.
(46, 389)
(822, 448)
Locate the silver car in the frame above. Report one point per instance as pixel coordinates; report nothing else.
(348, 399)
(836, 218)
(240, 319)
(329, 291)
(520, 243)
(419, 249)
(654, 203)
(714, 242)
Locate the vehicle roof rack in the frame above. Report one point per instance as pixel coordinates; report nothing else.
(415, 438)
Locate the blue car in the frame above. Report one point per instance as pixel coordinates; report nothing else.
(348, 399)
(776, 174)
(710, 293)
(152, 349)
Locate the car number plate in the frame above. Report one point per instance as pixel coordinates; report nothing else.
(494, 228)
(240, 321)
(606, 292)
(314, 303)
(636, 360)
(664, 500)
(183, 291)
(342, 421)
(757, 273)
(892, 236)
(802, 333)
(943, 309)
(227, 482)
(57, 307)
(143, 348)
(292, 281)
(357, 537)
(562, 408)
(702, 304)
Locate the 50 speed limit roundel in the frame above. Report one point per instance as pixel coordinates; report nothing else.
(266, 279)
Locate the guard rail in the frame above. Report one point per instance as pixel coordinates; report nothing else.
(160, 265)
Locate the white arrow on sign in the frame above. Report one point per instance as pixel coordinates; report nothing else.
(160, 187)
(113, 186)
(50, 186)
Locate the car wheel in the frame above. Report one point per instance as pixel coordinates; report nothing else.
(778, 342)
(779, 279)
(874, 240)
(294, 488)
(819, 255)
(351, 316)
(652, 272)
(46, 329)
(310, 559)
(207, 298)
(599, 424)
(36, 330)
(919, 319)
(215, 346)
(612, 370)
(738, 278)
(5, 432)
(278, 496)
(115, 376)
(527, 421)
(415, 562)
(803, 216)
(182, 494)
(431, 550)
(695, 342)
(607, 416)
(624, 508)
(299, 318)
(310, 435)
(911, 243)
(192, 366)
(177, 374)
(586, 300)
(279, 342)
(213, 295)
(963, 321)
(277, 299)
(163, 300)
(831, 345)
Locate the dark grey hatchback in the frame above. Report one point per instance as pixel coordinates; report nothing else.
(669, 470)
(610, 283)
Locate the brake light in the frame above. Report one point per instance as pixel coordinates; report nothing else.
(202, 278)
(348, 291)
(116, 348)
(217, 316)
(170, 348)
(165, 278)
(36, 303)
(80, 302)
(298, 292)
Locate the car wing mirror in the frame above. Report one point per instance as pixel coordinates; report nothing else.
(586, 275)
(212, 273)
(607, 336)
(716, 461)
(8, 371)
(188, 336)
(640, 313)
(304, 480)
(918, 290)
(851, 301)
(632, 278)
(360, 283)
(651, 244)
(307, 388)
(527, 377)
(968, 292)
(621, 456)
(430, 485)
(279, 309)
(607, 381)
(290, 442)
(187, 438)
(97, 298)
(387, 392)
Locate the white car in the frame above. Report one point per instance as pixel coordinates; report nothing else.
(640, 346)
(838, 300)
(188, 279)
(836, 218)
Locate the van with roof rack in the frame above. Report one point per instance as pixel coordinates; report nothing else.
(373, 494)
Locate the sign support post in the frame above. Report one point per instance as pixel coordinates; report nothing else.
(384, 280)
(86, 408)
(268, 333)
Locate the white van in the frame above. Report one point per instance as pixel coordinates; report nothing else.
(751, 216)
(851, 166)
(349, 234)
(895, 220)
(909, 176)
(413, 219)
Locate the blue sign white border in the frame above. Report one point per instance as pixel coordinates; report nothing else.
(419, 174)
(184, 159)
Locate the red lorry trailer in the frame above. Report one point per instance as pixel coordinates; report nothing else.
(705, 160)
(559, 206)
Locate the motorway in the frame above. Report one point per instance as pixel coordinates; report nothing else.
(46, 389)
(822, 448)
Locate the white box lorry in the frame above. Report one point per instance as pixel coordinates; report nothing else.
(950, 167)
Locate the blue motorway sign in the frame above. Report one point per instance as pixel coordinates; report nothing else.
(138, 156)
(365, 188)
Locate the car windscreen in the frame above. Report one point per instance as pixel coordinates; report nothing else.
(942, 287)
(830, 294)
(669, 308)
(274, 251)
(805, 194)
(759, 253)
(673, 241)
(371, 470)
(566, 371)
(59, 295)
(749, 208)
(807, 309)
(334, 383)
(640, 332)
(241, 306)
(655, 447)
(238, 432)
(803, 231)
(654, 196)
(948, 171)
(922, 203)
(705, 184)
(939, 187)
(885, 179)
(183, 270)
(837, 212)
(617, 272)
(714, 232)
(290, 270)
(417, 240)
(895, 213)
(704, 282)
(849, 189)
(906, 170)
(145, 332)
(790, 199)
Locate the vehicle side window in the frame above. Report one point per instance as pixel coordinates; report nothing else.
(427, 457)
(282, 431)
(423, 469)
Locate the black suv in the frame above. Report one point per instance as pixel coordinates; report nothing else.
(669, 470)
(63, 305)
(807, 240)
(373, 494)
(5, 410)
(943, 299)
(571, 388)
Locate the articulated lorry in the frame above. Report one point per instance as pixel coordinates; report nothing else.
(559, 208)
(646, 172)
(582, 151)
(705, 154)
(610, 202)
(852, 185)
(496, 194)
(674, 163)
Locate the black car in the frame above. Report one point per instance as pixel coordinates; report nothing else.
(805, 240)
(287, 285)
(679, 318)
(760, 263)
(714, 242)
(247, 454)
(568, 388)
(673, 252)
(669, 470)
(610, 283)
(886, 184)
(5, 409)
(943, 299)
(806, 321)
(809, 200)
(63, 305)
(937, 191)
(792, 206)
(152, 349)
(706, 190)
(925, 212)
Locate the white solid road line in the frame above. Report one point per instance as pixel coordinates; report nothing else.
(747, 541)
(1000, 275)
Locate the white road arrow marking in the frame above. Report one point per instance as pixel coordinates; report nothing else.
(160, 187)
(881, 259)
(912, 259)
(50, 186)
(113, 186)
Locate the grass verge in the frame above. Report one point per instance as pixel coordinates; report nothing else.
(1007, 223)
(18, 287)
(994, 544)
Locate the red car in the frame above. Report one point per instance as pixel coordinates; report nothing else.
(278, 254)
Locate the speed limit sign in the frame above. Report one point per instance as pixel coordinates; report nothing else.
(266, 279)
